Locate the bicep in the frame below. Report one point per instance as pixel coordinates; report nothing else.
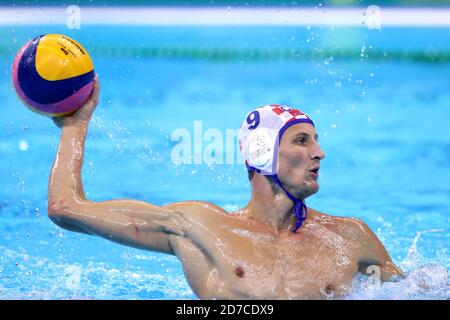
(132, 223)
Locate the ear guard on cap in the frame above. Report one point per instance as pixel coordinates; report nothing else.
(260, 148)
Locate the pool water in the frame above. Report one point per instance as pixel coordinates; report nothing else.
(383, 124)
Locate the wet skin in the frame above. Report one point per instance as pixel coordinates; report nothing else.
(248, 254)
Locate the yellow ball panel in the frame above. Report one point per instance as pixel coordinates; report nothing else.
(59, 57)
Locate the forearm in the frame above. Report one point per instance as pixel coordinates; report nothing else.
(65, 178)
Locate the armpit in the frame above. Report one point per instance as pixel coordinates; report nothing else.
(383, 272)
(369, 267)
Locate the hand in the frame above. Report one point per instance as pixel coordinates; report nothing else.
(84, 114)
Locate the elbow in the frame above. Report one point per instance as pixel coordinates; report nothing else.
(62, 212)
(58, 209)
(54, 207)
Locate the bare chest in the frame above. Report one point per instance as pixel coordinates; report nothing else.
(314, 264)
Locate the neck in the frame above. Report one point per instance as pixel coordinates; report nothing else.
(270, 204)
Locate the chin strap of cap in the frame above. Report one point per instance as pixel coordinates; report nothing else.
(300, 210)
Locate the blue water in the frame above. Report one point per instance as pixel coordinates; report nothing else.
(384, 126)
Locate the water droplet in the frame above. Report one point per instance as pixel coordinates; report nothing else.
(23, 145)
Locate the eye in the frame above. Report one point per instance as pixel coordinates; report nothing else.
(300, 140)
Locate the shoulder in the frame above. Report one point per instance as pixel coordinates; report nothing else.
(196, 209)
(369, 250)
(350, 222)
(194, 204)
(349, 227)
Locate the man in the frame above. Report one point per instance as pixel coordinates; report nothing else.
(273, 248)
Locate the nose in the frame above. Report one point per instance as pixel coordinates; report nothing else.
(317, 152)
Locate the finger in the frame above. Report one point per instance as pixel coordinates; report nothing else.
(95, 91)
(96, 85)
(93, 99)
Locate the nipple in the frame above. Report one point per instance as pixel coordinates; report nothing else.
(239, 272)
(329, 289)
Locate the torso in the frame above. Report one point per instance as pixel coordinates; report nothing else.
(226, 256)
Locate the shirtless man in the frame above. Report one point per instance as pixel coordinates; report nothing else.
(273, 248)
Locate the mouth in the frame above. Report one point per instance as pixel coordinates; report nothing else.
(315, 172)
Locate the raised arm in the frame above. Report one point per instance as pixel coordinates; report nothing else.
(134, 223)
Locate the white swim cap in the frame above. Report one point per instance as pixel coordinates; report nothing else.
(261, 132)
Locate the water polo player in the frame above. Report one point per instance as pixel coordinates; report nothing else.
(273, 248)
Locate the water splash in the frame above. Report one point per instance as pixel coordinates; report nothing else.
(413, 256)
(420, 281)
(424, 282)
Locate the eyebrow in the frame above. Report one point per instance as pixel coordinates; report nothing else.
(305, 134)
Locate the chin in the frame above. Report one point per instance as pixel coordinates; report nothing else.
(311, 189)
(314, 191)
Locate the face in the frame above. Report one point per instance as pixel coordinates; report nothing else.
(299, 159)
